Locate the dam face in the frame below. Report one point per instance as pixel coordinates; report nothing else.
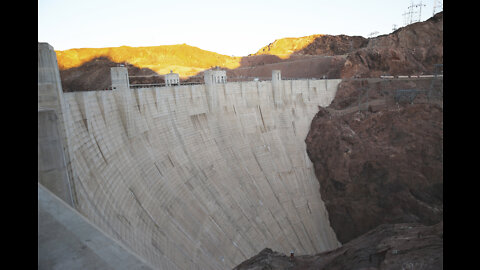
(199, 176)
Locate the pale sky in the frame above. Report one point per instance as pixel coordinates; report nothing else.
(223, 26)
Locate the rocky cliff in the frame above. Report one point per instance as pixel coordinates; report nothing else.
(381, 165)
(378, 151)
(392, 246)
(413, 49)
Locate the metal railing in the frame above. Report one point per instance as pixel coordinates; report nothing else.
(230, 79)
(148, 85)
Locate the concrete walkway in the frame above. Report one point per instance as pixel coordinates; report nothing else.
(67, 240)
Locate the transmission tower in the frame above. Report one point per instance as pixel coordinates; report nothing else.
(414, 13)
(437, 6)
(408, 15)
(406, 18)
(372, 40)
(420, 5)
(372, 34)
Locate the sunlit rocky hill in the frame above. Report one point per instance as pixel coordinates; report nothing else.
(314, 45)
(184, 59)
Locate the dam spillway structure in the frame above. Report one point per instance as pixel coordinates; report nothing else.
(185, 176)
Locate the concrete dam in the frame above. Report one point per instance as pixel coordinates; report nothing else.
(186, 176)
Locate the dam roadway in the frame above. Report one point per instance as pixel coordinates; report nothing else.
(197, 176)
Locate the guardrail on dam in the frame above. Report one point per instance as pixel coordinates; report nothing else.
(199, 176)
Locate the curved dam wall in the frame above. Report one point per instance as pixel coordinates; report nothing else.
(191, 185)
(187, 177)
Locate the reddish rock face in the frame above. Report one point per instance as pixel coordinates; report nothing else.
(334, 45)
(410, 50)
(384, 165)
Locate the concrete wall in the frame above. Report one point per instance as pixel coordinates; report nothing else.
(119, 77)
(172, 79)
(192, 184)
(52, 132)
(278, 94)
(215, 76)
(49, 83)
(52, 166)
